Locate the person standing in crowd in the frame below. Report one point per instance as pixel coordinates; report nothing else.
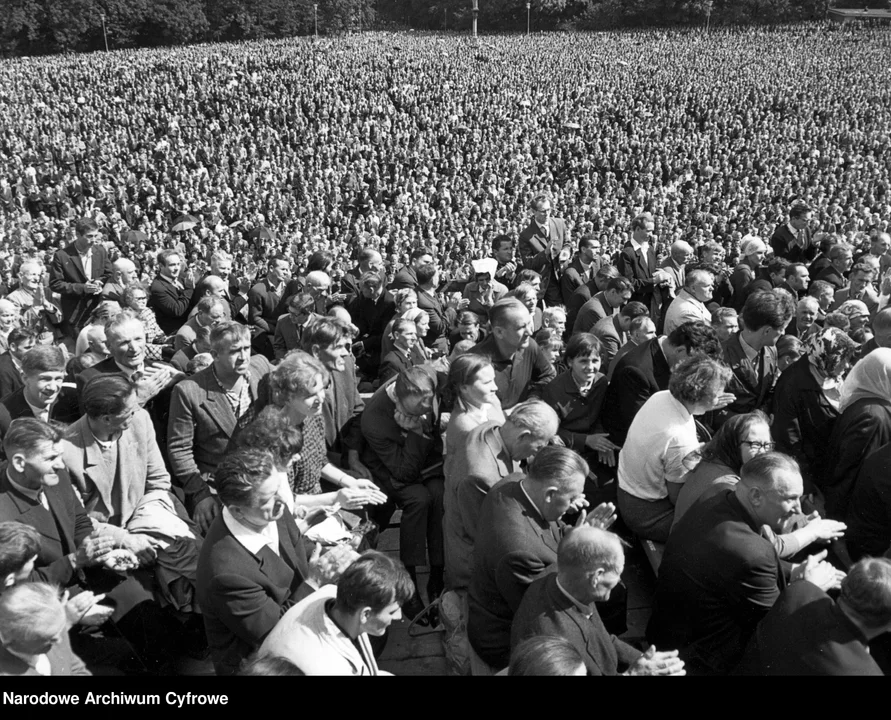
(168, 296)
(123, 275)
(582, 269)
(690, 303)
(78, 273)
(794, 240)
(267, 302)
(637, 263)
(841, 258)
(545, 248)
(751, 257)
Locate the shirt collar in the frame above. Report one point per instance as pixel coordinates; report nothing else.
(250, 539)
(39, 413)
(585, 610)
(751, 353)
(130, 372)
(638, 246)
(792, 230)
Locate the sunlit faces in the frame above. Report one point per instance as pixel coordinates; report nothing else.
(483, 388)
(126, 342)
(42, 388)
(30, 277)
(756, 442)
(703, 287)
(516, 330)
(234, 357)
(780, 503)
(334, 356)
(584, 369)
(222, 268)
(542, 212)
(40, 467)
(406, 337)
(172, 267)
(310, 402)
(423, 325)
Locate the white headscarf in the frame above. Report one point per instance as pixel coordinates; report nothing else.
(871, 377)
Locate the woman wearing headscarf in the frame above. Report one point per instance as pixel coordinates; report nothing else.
(864, 426)
(807, 397)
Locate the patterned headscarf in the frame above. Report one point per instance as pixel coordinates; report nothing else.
(871, 377)
(829, 351)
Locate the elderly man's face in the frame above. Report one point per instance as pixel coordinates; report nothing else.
(805, 317)
(216, 315)
(127, 344)
(41, 467)
(417, 404)
(222, 268)
(726, 328)
(781, 502)
(756, 257)
(516, 330)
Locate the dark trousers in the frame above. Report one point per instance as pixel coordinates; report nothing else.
(420, 531)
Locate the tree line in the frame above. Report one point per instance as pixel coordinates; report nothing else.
(32, 27)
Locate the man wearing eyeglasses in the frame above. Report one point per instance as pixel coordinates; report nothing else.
(583, 268)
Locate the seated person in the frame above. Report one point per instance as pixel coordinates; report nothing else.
(327, 632)
(135, 299)
(403, 450)
(210, 312)
(253, 562)
(34, 633)
(467, 328)
(808, 633)
(44, 394)
(35, 490)
(590, 562)
(577, 396)
(661, 436)
(290, 326)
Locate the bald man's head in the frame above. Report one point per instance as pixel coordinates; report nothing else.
(124, 271)
(770, 488)
(590, 562)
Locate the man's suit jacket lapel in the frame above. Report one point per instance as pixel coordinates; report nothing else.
(28, 513)
(76, 261)
(584, 625)
(92, 458)
(547, 531)
(217, 406)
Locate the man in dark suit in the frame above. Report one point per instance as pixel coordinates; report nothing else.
(407, 276)
(807, 633)
(583, 268)
(751, 353)
(604, 304)
(78, 273)
(637, 262)
(519, 530)
(44, 391)
(793, 241)
(253, 563)
(797, 280)
(290, 327)
(841, 258)
(202, 419)
(544, 247)
(371, 311)
(503, 250)
(590, 562)
(719, 576)
(646, 370)
(168, 297)
(267, 302)
(437, 336)
(20, 342)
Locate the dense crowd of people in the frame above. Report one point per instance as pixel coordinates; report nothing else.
(544, 297)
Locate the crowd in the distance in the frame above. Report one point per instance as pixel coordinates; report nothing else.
(417, 291)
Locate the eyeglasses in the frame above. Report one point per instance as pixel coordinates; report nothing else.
(757, 445)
